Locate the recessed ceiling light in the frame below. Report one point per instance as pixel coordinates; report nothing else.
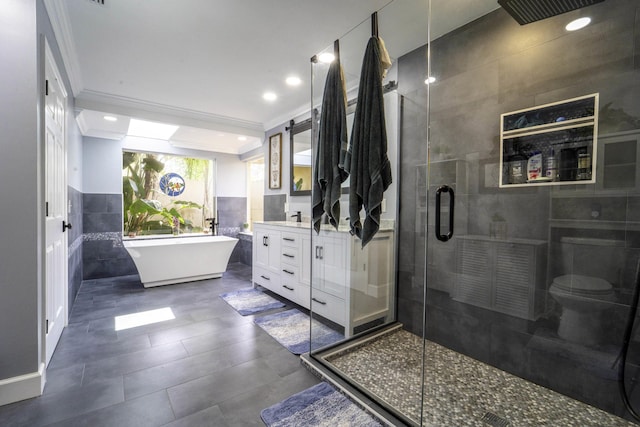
(110, 118)
(326, 57)
(429, 80)
(151, 129)
(242, 138)
(578, 24)
(293, 81)
(269, 96)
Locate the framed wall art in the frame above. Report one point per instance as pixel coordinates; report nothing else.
(275, 161)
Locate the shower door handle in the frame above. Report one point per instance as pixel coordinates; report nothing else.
(439, 191)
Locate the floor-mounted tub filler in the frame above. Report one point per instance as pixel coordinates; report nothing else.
(166, 261)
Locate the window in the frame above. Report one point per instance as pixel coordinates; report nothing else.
(164, 194)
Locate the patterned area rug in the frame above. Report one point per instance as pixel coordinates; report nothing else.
(291, 328)
(320, 405)
(250, 301)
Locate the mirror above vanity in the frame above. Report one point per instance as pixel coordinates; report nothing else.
(301, 157)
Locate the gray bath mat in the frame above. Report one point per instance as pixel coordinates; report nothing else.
(292, 329)
(320, 405)
(250, 301)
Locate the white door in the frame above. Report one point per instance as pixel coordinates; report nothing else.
(55, 206)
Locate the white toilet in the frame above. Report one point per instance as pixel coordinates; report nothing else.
(583, 299)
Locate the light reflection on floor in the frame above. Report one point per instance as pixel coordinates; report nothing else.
(141, 318)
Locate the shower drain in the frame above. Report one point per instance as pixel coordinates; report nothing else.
(495, 421)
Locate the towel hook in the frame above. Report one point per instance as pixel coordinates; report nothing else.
(374, 24)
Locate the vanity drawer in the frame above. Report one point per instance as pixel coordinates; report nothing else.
(327, 305)
(291, 239)
(290, 256)
(266, 278)
(295, 292)
(290, 273)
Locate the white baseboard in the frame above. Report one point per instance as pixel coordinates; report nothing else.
(22, 387)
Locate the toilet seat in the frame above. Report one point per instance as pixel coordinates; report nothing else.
(582, 285)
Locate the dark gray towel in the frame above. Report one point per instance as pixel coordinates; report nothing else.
(367, 160)
(329, 171)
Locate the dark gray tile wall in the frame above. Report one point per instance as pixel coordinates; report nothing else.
(103, 254)
(486, 68)
(244, 249)
(75, 243)
(232, 213)
(274, 207)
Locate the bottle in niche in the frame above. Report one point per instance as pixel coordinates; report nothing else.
(534, 166)
(518, 169)
(584, 164)
(551, 166)
(568, 164)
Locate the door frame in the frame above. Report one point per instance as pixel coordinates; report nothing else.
(47, 56)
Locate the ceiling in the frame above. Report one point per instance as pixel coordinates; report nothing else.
(204, 64)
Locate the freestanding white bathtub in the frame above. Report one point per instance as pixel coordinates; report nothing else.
(165, 261)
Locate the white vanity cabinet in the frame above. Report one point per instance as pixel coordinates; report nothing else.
(329, 273)
(352, 285)
(266, 261)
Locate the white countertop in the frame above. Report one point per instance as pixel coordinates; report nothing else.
(343, 227)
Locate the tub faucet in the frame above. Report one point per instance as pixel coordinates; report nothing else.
(298, 216)
(214, 225)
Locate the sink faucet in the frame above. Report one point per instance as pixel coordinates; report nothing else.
(298, 216)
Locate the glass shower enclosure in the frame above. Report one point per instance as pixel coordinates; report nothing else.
(498, 291)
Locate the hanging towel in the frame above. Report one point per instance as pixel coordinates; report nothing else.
(329, 171)
(385, 59)
(367, 160)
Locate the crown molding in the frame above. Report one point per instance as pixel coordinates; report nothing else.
(284, 118)
(64, 37)
(126, 106)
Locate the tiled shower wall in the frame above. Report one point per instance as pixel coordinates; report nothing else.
(486, 68)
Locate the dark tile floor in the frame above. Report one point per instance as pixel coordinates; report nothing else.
(209, 366)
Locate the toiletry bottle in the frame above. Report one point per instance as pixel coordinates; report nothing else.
(584, 164)
(517, 169)
(551, 166)
(534, 166)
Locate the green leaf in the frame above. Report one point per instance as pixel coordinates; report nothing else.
(186, 204)
(142, 207)
(152, 164)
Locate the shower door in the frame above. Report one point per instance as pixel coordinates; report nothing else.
(354, 288)
(529, 199)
